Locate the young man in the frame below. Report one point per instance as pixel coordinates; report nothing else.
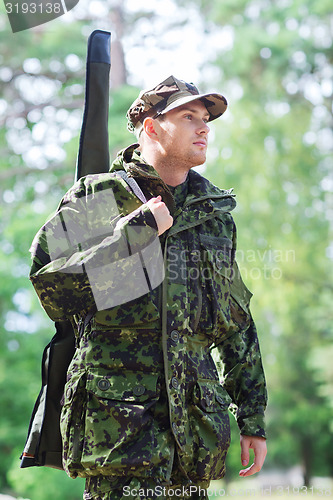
(153, 288)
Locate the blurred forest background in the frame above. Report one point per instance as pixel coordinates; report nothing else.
(273, 61)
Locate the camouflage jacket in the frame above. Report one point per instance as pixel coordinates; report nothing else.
(143, 383)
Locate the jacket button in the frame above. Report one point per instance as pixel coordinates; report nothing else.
(175, 335)
(69, 393)
(219, 264)
(174, 383)
(138, 390)
(174, 426)
(208, 401)
(103, 384)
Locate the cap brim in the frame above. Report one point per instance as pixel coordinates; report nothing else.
(216, 104)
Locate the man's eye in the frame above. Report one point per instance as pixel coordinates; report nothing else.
(188, 117)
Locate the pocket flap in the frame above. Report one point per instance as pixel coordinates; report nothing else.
(212, 396)
(218, 252)
(129, 387)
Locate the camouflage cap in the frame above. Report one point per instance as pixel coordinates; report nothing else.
(168, 95)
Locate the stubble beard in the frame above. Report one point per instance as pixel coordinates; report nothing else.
(187, 163)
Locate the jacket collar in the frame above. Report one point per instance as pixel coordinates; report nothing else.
(201, 191)
(130, 159)
(151, 183)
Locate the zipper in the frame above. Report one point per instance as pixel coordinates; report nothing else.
(78, 403)
(197, 318)
(77, 442)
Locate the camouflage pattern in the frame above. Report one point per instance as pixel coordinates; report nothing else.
(106, 488)
(168, 95)
(111, 236)
(143, 390)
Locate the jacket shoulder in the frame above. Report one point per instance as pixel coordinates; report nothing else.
(206, 187)
(96, 183)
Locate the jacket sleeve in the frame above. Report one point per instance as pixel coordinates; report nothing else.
(73, 253)
(243, 375)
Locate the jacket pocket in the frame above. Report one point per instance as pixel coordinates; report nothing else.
(117, 426)
(210, 427)
(215, 281)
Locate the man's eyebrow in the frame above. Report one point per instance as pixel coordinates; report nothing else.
(193, 110)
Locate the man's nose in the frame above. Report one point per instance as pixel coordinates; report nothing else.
(204, 129)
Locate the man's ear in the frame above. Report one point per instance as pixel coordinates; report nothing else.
(150, 126)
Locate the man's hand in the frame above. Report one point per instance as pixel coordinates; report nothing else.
(161, 213)
(258, 445)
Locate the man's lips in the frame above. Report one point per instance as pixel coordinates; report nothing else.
(201, 143)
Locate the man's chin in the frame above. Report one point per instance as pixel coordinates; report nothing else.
(199, 160)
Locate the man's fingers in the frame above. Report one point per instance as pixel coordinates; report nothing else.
(157, 199)
(161, 213)
(260, 450)
(259, 458)
(245, 454)
(250, 470)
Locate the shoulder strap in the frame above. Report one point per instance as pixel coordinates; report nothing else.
(133, 185)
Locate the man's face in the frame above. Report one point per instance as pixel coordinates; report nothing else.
(183, 134)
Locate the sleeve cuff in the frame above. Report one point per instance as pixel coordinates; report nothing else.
(149, 218)
(253, 425)
(142, 216)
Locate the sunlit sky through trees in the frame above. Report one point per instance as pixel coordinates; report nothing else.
(273, 61)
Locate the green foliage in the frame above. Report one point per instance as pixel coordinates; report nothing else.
(269, 148)
(120, 100)
(273, 146)
(41, 483)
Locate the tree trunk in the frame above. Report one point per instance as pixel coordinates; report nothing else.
(306, 460)
(118, 71)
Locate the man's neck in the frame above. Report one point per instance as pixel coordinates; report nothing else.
(172, 178)
(170, 173)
